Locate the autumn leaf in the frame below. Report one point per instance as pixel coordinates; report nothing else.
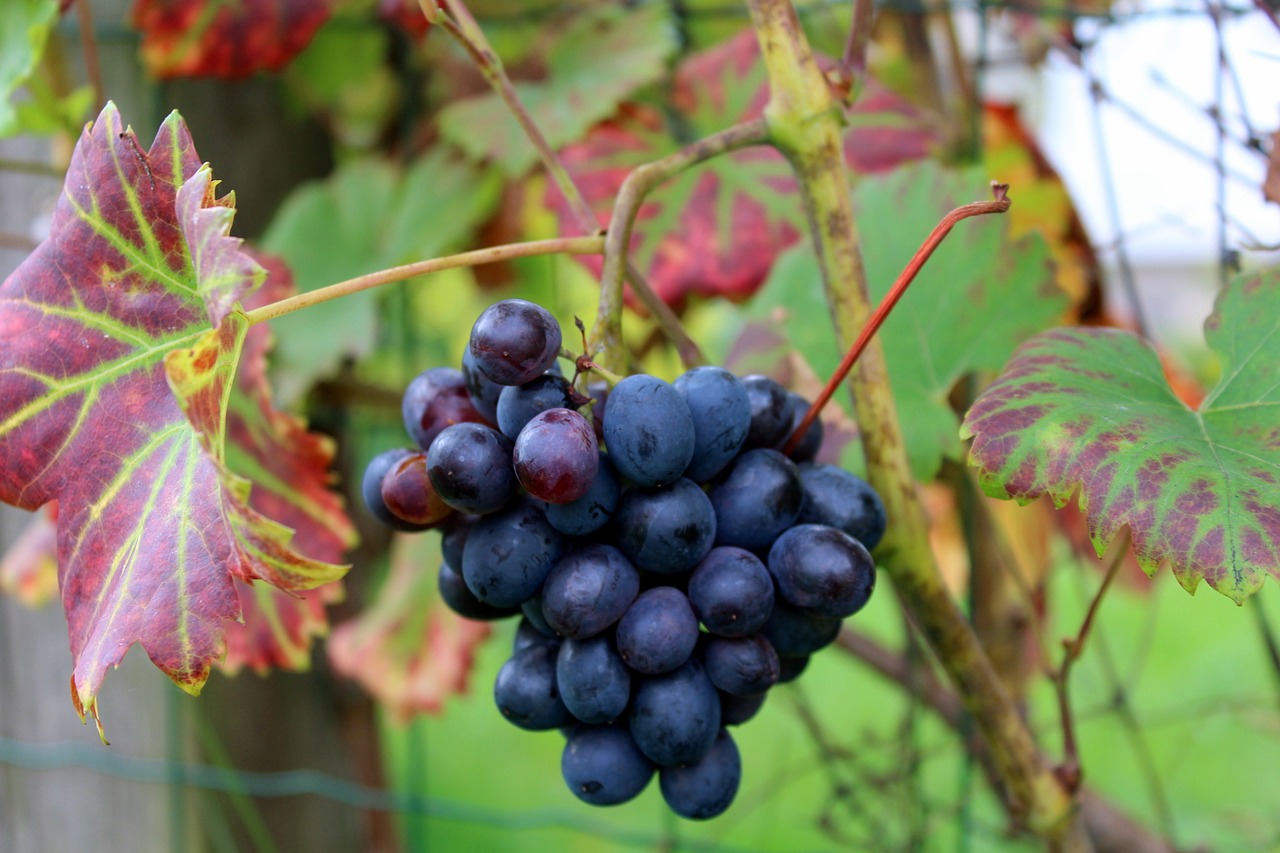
(1090, 411)
(229, 39)
(113, 400)
(407, 648)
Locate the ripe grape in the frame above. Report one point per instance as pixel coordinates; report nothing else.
(588, 590)
(742, 666)
(436, 399)
(461, 600)
(371, 489)
(556, 456)
(658, 632)
(721, 412)
(822, 569)
(470, 466)
(593, 510)
(594, 683)
(408, 494)
(758, 500)
(667, 529)
(705, 788)
(649, 431)
(771, 411)
(603, 766)
(732, 592)
(836, 498)
(526, 692)
(674, 717)
(518, 404)
(514, 341)
(509, 555)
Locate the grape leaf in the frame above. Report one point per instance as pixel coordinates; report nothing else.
(407, 648)
(229, 39)
(716, 230)
(113, 395)
(594, 61)
(978, 297)
(24, 28)
(367, 216)
(1090, 410)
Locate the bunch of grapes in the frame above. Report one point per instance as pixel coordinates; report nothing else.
(668, 563)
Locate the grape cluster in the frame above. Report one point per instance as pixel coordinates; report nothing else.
(667, 562)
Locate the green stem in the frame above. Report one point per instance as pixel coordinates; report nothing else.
(607, 334)
(806, 125)
(493, 254)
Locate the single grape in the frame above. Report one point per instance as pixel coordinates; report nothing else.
(593, 510)
(436, 399)
(484, 391)
(532, 610)
(665, 529)
(796, 633)
(758, 500)
(526, 692)
(836, 498)
(454, 537)
(721, 412)
(509, 554)
(771, 411)
(461, 600)
(811, 441)
(556, 456)
(674, 717)
(603, 766)
(822, 569)
(518, 404)
(649, 430)
(658, 632)
(408, 494)
(731, 591)
(594, 682)
(588, 590)
(514, 341)
(371, 489)
(705, 788)
(736, 710)
(470, 466)
(743, 666)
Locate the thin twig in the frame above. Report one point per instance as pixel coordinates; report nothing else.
(493, 254)
(1000, 204)
(89, 46)
(854, 61)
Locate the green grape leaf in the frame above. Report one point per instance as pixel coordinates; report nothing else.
(716, 230)
(977, 298)
(368, 216)
(1090, 410)
(228, 39)
(597, 59)
(24, 29)
(113, 399)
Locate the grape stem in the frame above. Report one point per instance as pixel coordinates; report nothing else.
(493, 254)
(607, 334)
(999, 204)
(462, 25)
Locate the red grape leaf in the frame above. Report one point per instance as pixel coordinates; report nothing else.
(1090, 411)
(113, 396)
(715, 230)
(407, 648)
(230, 39)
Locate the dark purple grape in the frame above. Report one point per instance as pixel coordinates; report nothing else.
(371, 489)
(532, 610)
(408, 494)
(674, 717)
(822, 569)
(434, 400)
(736, 710)
(514, 341)
(796, 633)
(757, 501)
(743, 666)
(721, 414)
(528, 633)
(666, 529)
(603, 766)
(470, 466)
(791, 667)
(509, 554)
(518, 404)
(484, 391)
(705, 788)
(649, 431)
(771, 411)
(836, 498)
(811, 441)
(525, 689)
(589, 590)
(658, 632)
(594, 682)
(731, 592)
(454, 538)
(593, 510)
(461, 600)
(556, 456)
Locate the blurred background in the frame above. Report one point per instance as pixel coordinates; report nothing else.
(1140, 140)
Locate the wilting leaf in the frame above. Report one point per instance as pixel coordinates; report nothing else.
(113, 395)
(716, 230)
(230, 39)
(597, 59)
(408, 649)
(1090, 411)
